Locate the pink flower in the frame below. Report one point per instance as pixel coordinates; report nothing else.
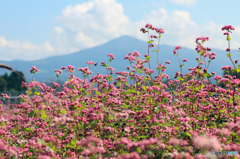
(227, 27)
(207, 143)
(174, 142)
(70, 68)
(178, 47)
(174, 52)
(152, 45)
(168, 62)
(129, 68)
(226, 33)
(63, 68)
(147, 25)
(44, 157)
(34, 69)
(111, 56)
(185, 60)
(160, 31)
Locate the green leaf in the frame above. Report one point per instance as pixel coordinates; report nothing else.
(198, 69)
(72, 143)
(176, 128)
(104, 99)
(228, 38)
(124, 106)
(188, 134)
(147, 58)
(222, 110)
(37, 93)
(201, 53)
(108, 78)
(31, 114)
(159, 36)
(97, 93)
(44, 115)
(207, 75)
(139, 72)
(63, 111)
(228, 55)
(155, 51)
(182, 65)
(150, 41)
(179, 78)
(105, 65)
(236, 69)
(139, 150)
(148, 152)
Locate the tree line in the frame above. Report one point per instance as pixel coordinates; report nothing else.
(13, 81)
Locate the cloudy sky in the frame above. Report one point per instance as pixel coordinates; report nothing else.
(31, 30)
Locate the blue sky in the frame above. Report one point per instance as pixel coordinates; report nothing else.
(31, 30)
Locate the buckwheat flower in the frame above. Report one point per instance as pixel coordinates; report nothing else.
(153, 36)
(111, 56)
(178, 47)
(236, 61)
(174, 52)
(167, 62)
(226, 33)
(225, 132)
(44, 157)
(197, 58)
(5, 96)
(224, 68)
(152, 45)
(147, 25)
(3, 146)
(34, 69)
(136, 53)
(154, 28)
(228, 49)
(229, 67)
(185, 60)
(174, 142)
(160, 31)
(143, 30)
(235, 82)
(129, 68)
(110, 68)
(63, 68)
(56, 85)
(209, 49)
(70, 68)
(227, 27)
(207, 143)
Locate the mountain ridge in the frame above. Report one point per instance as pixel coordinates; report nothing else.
(120, 47)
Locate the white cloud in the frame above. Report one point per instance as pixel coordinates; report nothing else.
(58, 30)
(184, 2)
(3, 41)
(96, 22)
(46, 46)
(15, 49)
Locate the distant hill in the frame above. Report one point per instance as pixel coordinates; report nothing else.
(120, 47)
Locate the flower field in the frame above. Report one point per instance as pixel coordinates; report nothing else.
(128, 120)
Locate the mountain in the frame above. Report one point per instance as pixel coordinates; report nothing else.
(120, 47)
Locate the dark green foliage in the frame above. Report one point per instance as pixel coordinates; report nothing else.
(12, 82)
(3, 84)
